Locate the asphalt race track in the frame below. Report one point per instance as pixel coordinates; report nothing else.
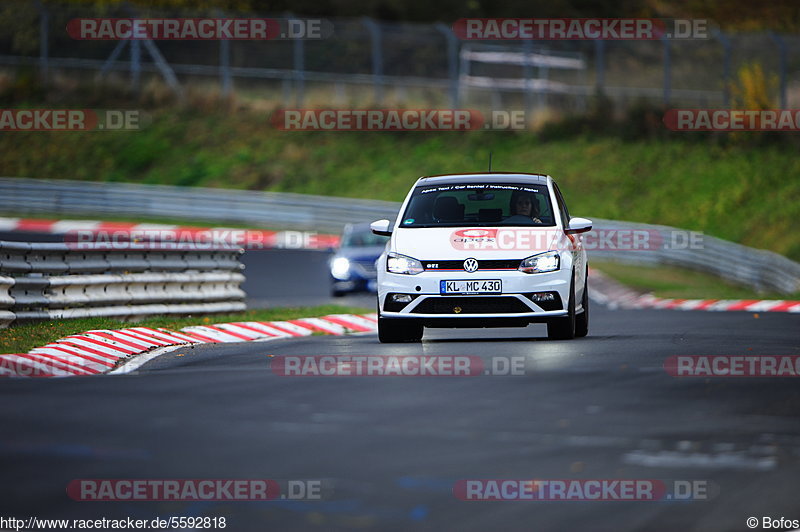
(293, 277)
(389, 450)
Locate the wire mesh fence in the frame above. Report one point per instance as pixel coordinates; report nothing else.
(369, 61)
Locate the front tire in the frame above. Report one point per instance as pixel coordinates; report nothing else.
(393, 331)
(582, 319)
(564, 328)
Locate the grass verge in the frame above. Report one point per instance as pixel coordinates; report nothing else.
(739, 193)
(679, 283)
(23, 338)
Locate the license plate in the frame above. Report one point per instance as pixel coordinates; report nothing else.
(480, 286)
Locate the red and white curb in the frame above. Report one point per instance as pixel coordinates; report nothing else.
(115, 351)
(247, 238)
(614, 295)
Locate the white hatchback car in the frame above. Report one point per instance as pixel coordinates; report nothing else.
(482, 250)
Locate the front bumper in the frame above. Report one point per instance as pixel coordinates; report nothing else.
(515, 301)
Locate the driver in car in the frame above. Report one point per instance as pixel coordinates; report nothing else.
(524, 207)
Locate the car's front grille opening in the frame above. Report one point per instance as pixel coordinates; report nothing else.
(471, 305)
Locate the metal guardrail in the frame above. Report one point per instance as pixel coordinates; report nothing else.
(762, 270)
(757, 268)
(297, 211)
(58, 281)
(6, 301)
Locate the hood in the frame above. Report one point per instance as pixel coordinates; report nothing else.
(454, 243)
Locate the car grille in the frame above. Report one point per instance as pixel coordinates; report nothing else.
(471, 305)
(493, 264)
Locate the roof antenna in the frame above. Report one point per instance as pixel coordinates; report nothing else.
(490, 161)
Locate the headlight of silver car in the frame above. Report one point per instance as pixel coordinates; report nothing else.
(549, 261)
(396, 263)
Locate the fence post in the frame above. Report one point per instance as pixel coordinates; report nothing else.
(667, 70)
(527, 47)
(600, 65)
(299, 71)
(44, 40)
(463, 71)
(778, 40)
(452, 62)
(136, 64)
(224, 64)
(543, 77)
(163, 67)
(225, 67)
(286, 91)
(340, 98)
(298, 67)
(377, 57)
(726, 66)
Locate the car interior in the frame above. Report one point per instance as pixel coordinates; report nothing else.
(451, 207)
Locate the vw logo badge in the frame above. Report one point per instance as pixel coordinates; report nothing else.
(470, 265)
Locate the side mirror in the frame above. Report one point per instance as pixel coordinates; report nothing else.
(381, 227)
(578, 225)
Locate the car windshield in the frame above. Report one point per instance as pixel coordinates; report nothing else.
(479, 204)
(362, 239)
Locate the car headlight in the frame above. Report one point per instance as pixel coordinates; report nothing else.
(549, 261)
(396, 263)
(340, 268)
